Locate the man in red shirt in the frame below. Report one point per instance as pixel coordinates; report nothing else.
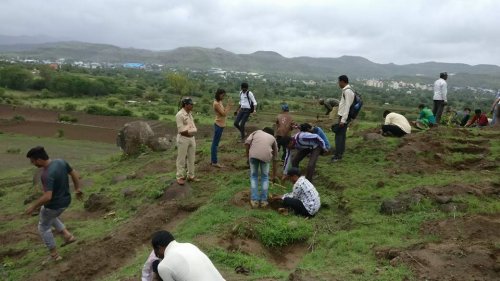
(478, 120)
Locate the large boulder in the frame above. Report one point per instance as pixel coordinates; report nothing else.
(134, 136)
(160, 143)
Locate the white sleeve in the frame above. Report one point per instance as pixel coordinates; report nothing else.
(147, 271)
(349, 99)
(444, 90)
(252, 97)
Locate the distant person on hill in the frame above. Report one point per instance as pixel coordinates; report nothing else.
(332, 106)
(55, 199)
(495, 108)
(340, 129)
(248, 105)
(186, 143)
(308, 144)
(395, 124)
(284, 125)
(182, 261)
(478, 120)
(219, 124)
(465, 117)
(304, 199)
(261, 149)
(440, 96)
(425, 118)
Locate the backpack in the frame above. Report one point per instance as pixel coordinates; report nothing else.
(356, 105)
(252, 106)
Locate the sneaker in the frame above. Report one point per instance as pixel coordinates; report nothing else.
(217, 165)
(52, 259)
(264, 204)
(181, 181)
(335, 159)
(254, 204)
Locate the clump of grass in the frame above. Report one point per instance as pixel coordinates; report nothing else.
(278, 232)
(13, 150)
(67, 118)
(18, 118)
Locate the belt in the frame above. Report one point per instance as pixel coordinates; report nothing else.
(186, 135)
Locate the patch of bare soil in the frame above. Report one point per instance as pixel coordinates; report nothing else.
(107, 254)
(468, 250)
(27, 232)
(425, 152)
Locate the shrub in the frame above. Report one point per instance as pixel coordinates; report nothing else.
(98, 110)
(112, 102)
(170, 111)
(13, 150)
(2, 92)
(18, 118)
(45, 94)
(151, 116)
(60, 133)
(67, 118)
(123, 112)
(69, 106)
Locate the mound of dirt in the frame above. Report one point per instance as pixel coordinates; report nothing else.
(98, 202)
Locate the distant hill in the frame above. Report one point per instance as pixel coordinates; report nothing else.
(261, 61)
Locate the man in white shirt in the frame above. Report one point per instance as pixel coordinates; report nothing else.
(182, 261)
(440, 98)
(340, 129)
(395, 124)
(248, 105)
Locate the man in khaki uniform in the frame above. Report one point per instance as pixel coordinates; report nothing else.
(186, 143)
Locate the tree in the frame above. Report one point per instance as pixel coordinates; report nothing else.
(15, 77)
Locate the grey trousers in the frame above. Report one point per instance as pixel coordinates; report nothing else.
(49, 218)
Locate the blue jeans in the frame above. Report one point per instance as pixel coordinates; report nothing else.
(50, 218)
(215, 142)
(241, 119)
(254, 179)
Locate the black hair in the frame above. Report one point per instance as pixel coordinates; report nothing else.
(244, 85)
(37, 152)
(161, 239)
(443, 75)
(186, 101)
(305, 127)
(477, 111)
(219, 93)
(268, 130)
(466, 108)
(421, 105)
(293, 171)
(344, 78)
(386, 113)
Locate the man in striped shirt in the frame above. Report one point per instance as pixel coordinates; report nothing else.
(304, 199)
(310, 144)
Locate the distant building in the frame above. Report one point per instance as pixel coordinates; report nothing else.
(134, 65)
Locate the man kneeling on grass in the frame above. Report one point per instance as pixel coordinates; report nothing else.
(304, 198)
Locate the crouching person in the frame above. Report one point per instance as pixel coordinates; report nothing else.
(304, 198)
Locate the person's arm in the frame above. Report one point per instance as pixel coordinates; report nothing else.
(495, 103)
(254, 101)
(328, 108)
(46, 197)
(274, 161)
(247, 150)
(219, 110)
(349, 99)
(444, 91)
(75, 177)
(471, 121)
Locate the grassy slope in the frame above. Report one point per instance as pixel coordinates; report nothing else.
(341, 239)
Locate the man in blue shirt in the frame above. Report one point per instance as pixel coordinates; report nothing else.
(308, 143)
(55, 199)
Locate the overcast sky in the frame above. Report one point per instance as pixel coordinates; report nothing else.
(382, 31)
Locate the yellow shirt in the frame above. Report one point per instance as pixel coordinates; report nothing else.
(220, 113)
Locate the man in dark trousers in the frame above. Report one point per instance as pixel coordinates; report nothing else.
(440, 96)
(55, 199)
(248, 105)
(340, 128)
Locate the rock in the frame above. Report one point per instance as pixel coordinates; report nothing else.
(372, 137)
(358, 271)
(442, 199)
(453, 207)
(134, 136)
(117, 179)
(392, 206)
(160, 143)
(128, 192)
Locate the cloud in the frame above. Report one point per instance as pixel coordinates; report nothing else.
(383, 31)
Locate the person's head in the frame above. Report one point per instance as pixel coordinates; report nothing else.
(244, 86)
(187, 104)
(421, 106)
(269, 131)
(219, 94)
(321, 101)
(477, 112)
(160, 241)
(305, 127)
(467, 110)
(284, 107)
(343, 81)
(386, 113)
(294, 174)
(38, 156)
(443, 75)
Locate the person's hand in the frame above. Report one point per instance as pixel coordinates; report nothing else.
(79, 195)
(29, 210)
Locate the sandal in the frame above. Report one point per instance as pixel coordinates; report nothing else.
(52, 259)
(72, 239)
